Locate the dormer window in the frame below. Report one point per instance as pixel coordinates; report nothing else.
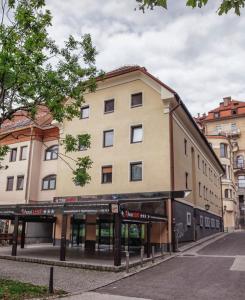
(216, 115)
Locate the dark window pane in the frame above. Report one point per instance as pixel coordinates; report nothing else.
(10, 183)
(20, 183)
(109, 105)
(223, 150)
(108, 138)
(13, 154)
(107, 174)
(136, 99)
(136, 171)
(85, 112)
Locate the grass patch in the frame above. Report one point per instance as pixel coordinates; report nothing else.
(15, 290)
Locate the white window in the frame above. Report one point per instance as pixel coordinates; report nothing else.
(136, 134)
(85, 112)
(188, 219)
(49, 182)
(108, 138)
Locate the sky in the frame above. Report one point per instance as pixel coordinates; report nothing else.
(196, 52)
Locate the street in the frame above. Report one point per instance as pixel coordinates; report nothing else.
(216, 271)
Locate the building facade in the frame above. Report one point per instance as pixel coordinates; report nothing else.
(144, 142)
(228, 121)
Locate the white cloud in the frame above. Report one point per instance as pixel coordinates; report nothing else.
(196, 52)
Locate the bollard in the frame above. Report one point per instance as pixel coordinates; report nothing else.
(153, 253)
(141, 256)
(127, 261)
(51, 280)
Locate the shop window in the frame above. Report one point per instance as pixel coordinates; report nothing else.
(106, 174)
(52, 152)
(10, 183)
(201, 221)
(108, 138)
(49, 182)
(84, 112)
(20, 183)
(136, 171)
(188, 219)
(13, 154)
(136, 134)
(109, 106)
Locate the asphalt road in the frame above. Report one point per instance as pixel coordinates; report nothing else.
(201, 275)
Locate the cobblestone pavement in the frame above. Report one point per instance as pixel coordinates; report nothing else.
(67, 279)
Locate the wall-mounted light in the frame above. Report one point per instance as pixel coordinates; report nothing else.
(207, 206)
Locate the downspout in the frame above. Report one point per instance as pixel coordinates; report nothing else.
(222, 204)
(171, 144)
(27, 193)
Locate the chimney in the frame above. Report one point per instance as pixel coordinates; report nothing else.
(198, 115)
(227, 101)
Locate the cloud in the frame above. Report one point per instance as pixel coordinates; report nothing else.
(196, 52)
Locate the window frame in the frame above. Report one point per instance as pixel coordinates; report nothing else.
(131, 100)
(81, 110)
(132, 128)
(225, 153)
(48, 150)
(45, 178)
(8, 178)
(102, 174)
(17, 181)
(131, 170)
(104, 138)
(11, 154)
(188, 219)
(21, 152)
(106, 102)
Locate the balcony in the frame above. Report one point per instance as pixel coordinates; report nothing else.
(238, 165)
(229, 132)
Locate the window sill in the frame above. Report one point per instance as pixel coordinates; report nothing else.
(137, 105)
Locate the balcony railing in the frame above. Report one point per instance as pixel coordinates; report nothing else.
(239, 165)
(228, 132)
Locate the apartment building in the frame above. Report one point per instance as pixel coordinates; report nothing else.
(28, 173)
(227, 122)
(223, 149)
(146, 150)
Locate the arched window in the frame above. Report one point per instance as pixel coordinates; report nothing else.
(241, 181)
(52, 152)
(240, 161)
(49, 182)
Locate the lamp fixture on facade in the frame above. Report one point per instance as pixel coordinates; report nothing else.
(207, 206)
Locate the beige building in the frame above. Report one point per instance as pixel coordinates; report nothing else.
(223, 149)
(144, 143)
(228, 120)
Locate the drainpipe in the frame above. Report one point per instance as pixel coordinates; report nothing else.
(222, 204)
(171, 144)
(27, 193)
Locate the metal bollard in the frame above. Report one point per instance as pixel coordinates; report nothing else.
(51, 280)
(127, 261)
(153, 253)
(142, 256)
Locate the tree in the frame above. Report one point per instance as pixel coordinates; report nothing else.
(35, 71)
(224, 8)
